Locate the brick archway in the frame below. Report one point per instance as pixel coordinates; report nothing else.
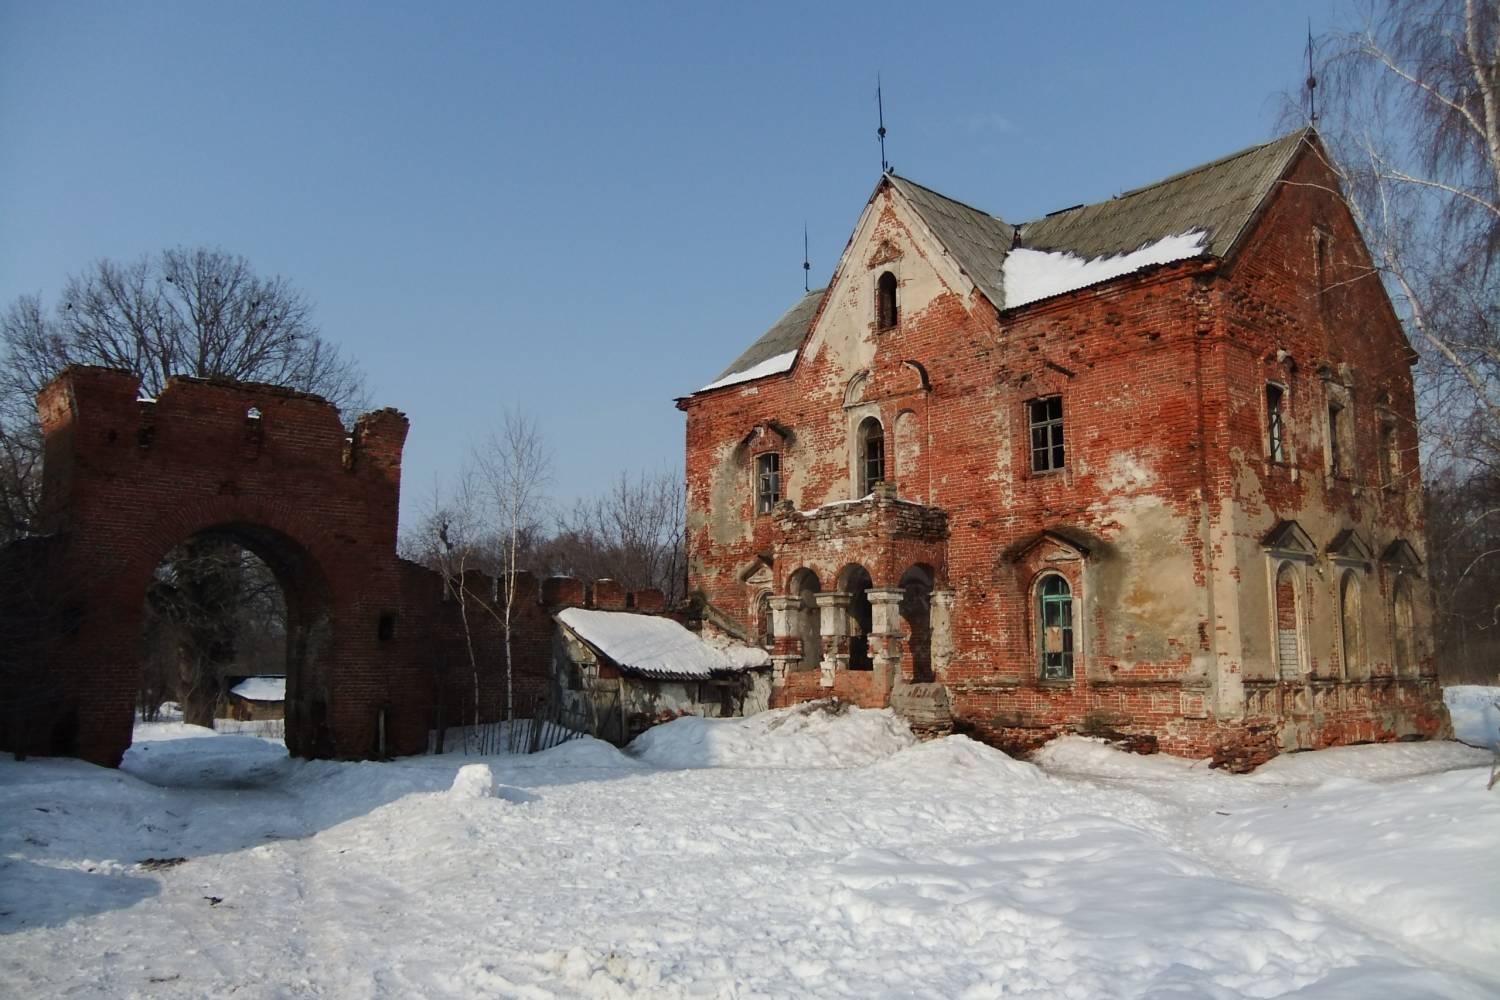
(126, 479)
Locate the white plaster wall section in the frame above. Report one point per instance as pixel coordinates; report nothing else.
(730, 483)
(907, 454)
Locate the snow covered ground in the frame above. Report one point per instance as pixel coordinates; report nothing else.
(797, 853)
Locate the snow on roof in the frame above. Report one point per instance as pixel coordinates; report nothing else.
(656, 647)
(1031, 275)
(261, 689)
(774, 365)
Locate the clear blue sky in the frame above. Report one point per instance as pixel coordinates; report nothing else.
(582, 211)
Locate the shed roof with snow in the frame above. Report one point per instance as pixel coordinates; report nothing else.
(656, 647)
(260, 689)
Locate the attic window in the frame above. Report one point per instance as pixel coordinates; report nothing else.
(886, 313)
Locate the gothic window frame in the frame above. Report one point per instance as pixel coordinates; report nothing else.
(1054, 609)
(870, 454)
(767, 481)
(887, 302)
(1278, 451)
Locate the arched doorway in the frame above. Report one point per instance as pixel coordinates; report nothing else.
(855, 581)
(127, 479)
(807, 626)
(235, 600)
(916, 617)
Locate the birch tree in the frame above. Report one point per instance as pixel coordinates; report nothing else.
(515, 469)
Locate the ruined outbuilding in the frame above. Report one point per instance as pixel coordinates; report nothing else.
(1144, 467)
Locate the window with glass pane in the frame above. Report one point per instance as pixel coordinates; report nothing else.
(1056, 627)
(872, 455)
(767, 482)
(1046, 434)
(1275, 448)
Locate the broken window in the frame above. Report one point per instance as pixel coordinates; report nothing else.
(1046, 434)
(1055, 628)
(885, 301)
(767, 482)
(767, 631)
(871, 455)
(1337, 456)
(1275, 425)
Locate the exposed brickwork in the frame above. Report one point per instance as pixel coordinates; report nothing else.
(369, 635)
(1157, 520)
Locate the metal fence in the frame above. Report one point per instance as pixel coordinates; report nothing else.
(562, 716)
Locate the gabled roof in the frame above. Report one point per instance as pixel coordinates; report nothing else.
(1221, 198)
(785, 335)
(1401, 555)
(1349, 546)
(976, 241)
(1288, 538)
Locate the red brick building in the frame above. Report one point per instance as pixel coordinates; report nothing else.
(1146, 466)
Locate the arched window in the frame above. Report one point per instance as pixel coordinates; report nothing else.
(807, 626)
(1351, 626)
(764, 621)
(1406, 634)
(1055, 628)
(1288, 623)
(871, 455)
(885, 301)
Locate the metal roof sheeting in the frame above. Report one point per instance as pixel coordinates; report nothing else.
(1220, 199)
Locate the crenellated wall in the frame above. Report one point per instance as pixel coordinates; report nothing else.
(379, 649)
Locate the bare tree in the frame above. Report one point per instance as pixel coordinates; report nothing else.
(633, 534)
(515, 468)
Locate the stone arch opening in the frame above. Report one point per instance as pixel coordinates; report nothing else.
(804, 586)
(916, 619)
(184, 598)
(127, 479)
(855, 581)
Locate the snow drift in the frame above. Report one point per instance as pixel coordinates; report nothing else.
(817, 735)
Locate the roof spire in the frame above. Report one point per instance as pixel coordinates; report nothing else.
(806, 264)
(1311, 87)
(885, 167)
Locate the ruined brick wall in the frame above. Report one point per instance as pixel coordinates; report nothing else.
(1301, 308)
(126, 479)
(1163, 492)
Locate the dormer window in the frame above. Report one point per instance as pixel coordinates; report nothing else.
(885, 302)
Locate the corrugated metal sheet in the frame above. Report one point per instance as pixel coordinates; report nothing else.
(785, 335)
(1219, 197)
(977, 242)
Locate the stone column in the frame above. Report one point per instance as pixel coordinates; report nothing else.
(784, 653)
(941, 624)
(885, 633)
(833, 608)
